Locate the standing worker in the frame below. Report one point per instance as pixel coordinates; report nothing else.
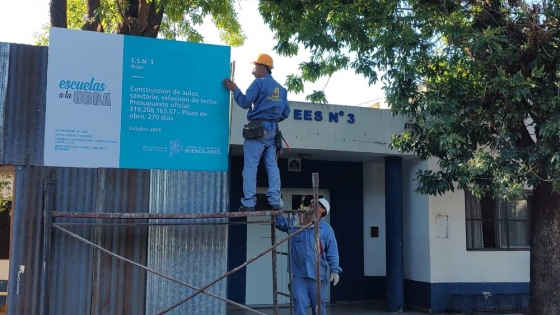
(302, 258)
(268, 105)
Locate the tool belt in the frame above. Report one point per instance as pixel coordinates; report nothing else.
(278, 139)
(254, 129)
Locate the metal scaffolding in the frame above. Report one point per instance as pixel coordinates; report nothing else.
(49, 225)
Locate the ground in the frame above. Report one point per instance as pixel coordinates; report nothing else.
(357, 309)
(332, 310)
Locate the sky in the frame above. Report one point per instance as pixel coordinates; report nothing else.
(18, 25)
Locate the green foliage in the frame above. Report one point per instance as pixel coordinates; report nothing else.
(317, 97)
(182, 17)
(42, 37)
(489, 112)
(179, 21)
(5, 189)
(294, 83)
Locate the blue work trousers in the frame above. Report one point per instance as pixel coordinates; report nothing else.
(252, 152)
(304, 295)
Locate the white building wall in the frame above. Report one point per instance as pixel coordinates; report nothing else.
(416, 238)
(428, 257)
(450, 260)
(4, 269)
(359, 129)
(374, 215)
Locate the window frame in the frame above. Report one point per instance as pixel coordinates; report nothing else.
(496, 221)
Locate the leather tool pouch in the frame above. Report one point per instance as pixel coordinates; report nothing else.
(278, 138)
(254, 130)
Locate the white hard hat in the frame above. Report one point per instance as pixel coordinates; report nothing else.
(325, 204)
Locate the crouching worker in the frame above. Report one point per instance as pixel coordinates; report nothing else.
(302, 258)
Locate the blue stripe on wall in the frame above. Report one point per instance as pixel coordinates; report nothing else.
(437, 296)
(417, 293)
(375, 288)
(344, 180)
(3, 288)
(394, 233)
(237, 239)
(237, 253)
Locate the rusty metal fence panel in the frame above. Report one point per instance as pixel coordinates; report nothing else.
(4, 68)
(196, 254)
(118, 287)
(81, 280)
(24, 294)
(70, 267)
(23, 113)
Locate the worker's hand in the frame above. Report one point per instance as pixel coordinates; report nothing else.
(228, 84)
(334, 278)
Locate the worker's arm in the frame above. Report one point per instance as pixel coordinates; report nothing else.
(286, 111)
(331, 252)
(282, 223)
(246, 100)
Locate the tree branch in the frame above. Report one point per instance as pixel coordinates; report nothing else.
(59, 16)
(93, 23)
(154, 21)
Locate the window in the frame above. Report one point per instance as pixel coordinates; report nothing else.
(5, 231)
(495, 224)
(299, 201)
(6, 184)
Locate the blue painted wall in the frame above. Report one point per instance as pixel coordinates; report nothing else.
(437, 296)
(237, 254)
(344, 180)
(375, 288)
(3, 288)
(417, 293)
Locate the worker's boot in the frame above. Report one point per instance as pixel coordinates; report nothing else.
(246, 209)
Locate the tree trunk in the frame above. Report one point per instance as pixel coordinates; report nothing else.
(58, 13)
(92, 23)
(142, 18)
(545, 251)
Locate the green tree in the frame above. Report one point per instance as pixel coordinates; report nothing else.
(170, 19)
(6, 179)
(489, 112)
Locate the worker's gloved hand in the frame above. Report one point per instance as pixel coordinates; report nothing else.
(334, 278)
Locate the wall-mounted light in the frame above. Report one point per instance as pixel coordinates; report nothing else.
(294, 165)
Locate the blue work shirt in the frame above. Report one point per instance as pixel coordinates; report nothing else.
(303, 248)
(268, 99)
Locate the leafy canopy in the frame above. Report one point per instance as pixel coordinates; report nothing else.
(178, 21)
(478, 79)
(6, 181)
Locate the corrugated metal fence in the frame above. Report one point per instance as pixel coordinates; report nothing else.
(83, 280)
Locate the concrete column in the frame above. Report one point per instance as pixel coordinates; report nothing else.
(394, 233)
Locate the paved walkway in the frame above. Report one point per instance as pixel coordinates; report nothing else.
(331, 310)
(361, 309)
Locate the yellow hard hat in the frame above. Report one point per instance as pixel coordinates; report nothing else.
(264, 59)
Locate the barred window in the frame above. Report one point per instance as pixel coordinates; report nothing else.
(495, 224)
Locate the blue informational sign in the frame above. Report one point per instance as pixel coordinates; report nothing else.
(134, 102)
(175, 110)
